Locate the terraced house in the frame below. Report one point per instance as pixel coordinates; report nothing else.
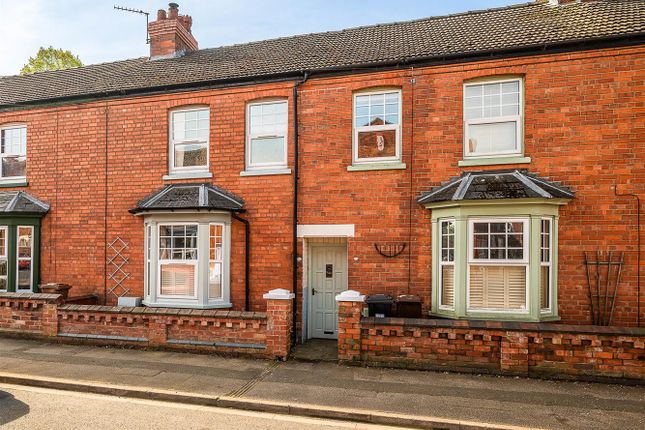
(486, 162)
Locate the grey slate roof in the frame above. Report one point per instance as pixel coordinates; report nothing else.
(19, 202)
(494, 185)
(466, 34)
(190, 196)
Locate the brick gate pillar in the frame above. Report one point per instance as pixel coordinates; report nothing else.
(350, 308)
(279, 322)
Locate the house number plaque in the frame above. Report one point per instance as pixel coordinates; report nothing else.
(329, 271)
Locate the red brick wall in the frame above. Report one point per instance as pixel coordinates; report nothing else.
(29, 314)
(258, 334)
(584, 122)
(526, 349)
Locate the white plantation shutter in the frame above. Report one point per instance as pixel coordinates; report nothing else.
(178, 279)
(497, 287)
(448, 286)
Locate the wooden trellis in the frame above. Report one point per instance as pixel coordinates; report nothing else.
(603, 280)
(117, 262)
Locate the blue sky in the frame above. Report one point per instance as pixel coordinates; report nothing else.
(97, 33)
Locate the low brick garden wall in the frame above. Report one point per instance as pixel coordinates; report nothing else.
(524, 349)
(261, 334)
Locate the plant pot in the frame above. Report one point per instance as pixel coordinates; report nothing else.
(55, 288)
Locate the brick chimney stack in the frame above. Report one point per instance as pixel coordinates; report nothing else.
(170, 34)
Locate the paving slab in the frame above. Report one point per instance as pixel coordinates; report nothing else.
(325, 385)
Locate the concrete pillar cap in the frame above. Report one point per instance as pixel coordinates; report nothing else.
(350, 296)
(279, 294)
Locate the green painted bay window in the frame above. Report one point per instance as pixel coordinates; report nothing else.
(495, 260)
(19, 254)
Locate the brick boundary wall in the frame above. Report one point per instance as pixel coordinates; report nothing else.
(554, 351)
(259, 334)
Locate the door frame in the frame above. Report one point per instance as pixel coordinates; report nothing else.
(310, 244)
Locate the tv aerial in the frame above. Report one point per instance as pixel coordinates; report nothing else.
(140, 12)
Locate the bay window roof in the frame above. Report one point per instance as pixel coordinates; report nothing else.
(190, 197)
(496, 185)
(21, 203)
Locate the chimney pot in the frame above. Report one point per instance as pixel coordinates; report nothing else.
(173, 10)
(161, 15)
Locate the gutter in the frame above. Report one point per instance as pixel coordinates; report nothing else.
(294, 250)
(632, 39)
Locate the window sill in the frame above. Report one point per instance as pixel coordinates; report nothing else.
(180, 305)
(376, 166)
(187, 175)
(265, 172)
(494, 161)
(13, 182)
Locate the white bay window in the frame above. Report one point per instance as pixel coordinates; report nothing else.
(188, 260)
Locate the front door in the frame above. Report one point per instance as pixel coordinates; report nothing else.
(328, 277)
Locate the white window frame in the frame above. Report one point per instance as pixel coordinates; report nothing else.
(9, 179)
(518, 119)
(220, 261)
(5, 256)
(173, 143)
(161, 262)
(396, 127)
(506, 262)
(249, 136)
(548, 264)
(30, 259)
(452, 263)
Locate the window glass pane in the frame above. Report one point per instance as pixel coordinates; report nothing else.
(448, 286)
(13, 151)
(190, 125)
(375, 144)
(497, 287)
(498, 240)
(492, 138)
(268, 119)
(545, 290)
(24, 275)
(492, 100)
(178, 242)
(177, 279)
(3, 242)
(267, 150)
(377, 109)
(215, 280)
(191, 155)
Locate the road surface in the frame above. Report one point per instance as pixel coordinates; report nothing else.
(30, 408)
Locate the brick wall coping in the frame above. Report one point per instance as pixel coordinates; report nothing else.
(505, 325)
(50, 298)
(211, 313)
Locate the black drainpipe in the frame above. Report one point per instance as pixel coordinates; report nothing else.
(294, 329)
(247, 253)
(638, 255)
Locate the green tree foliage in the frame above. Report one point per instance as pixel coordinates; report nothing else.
(50, 59)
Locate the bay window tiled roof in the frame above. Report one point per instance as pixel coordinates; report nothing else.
(495, 185)
(190, 197)
(520, 27)
(21, 203)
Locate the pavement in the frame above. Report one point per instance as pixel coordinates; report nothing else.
(415, 399)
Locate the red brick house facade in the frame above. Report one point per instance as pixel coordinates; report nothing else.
(94, 154)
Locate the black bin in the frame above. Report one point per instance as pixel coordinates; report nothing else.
(408, 306)
(380, 305)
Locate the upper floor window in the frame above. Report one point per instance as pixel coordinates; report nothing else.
(13, 151)
(189, 132)
(377, 127)
(266, 137)
(493, 118)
